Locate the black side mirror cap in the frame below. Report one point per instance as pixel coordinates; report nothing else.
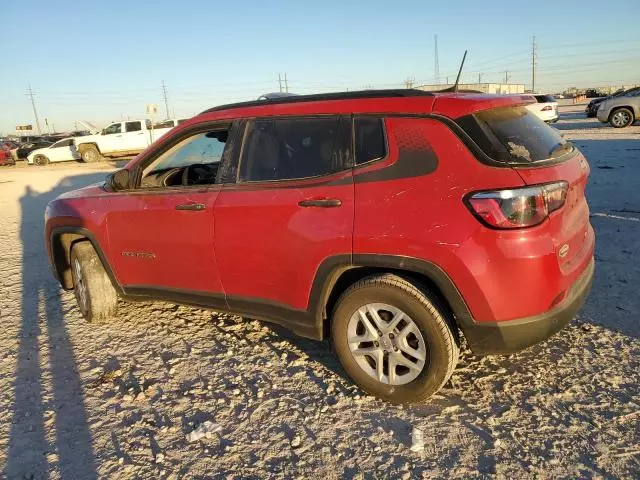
(120, 180)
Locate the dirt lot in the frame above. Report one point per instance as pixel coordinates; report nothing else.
(117, 400)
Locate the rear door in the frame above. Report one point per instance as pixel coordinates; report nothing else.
(287, 209)
(134, 137)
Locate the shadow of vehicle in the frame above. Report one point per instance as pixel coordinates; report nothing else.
(47, 388)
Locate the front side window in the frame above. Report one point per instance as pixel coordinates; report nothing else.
(164, 124)
(133, 126)
(291, 148)
(113, 128)
(193, 161)
(370, 144)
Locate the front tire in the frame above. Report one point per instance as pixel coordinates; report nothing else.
(94, 292)
(621, 117)
(90, 154)
(393, 338)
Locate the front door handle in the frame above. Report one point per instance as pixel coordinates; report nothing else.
(191, 206)
(321, 203)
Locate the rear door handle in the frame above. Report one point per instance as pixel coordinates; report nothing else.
(191, 206)
(321, 203)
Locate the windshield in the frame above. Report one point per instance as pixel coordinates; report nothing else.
(514, 135)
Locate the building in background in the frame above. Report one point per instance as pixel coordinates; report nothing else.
(481, 87)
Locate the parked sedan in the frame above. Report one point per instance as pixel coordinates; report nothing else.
(545, 108)
(5, 157)
(621, 111)
(60, 151)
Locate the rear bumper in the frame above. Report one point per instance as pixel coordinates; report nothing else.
(511, 336)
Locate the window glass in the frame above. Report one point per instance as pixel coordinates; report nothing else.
(113, 128)
(204, 148)
(287, 148)
(513, 134)
(369, 136)
(63, 143)
(545, 98)
(133, 126)
(164, 124)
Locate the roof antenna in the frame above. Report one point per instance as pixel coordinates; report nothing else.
(454, 88)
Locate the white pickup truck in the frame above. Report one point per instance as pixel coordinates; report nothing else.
(120, 139)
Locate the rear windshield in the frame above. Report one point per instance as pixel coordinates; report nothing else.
(545, 98)
(514, 135)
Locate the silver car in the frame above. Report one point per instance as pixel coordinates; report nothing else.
(621, 111)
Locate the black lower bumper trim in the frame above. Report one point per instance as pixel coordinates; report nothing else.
(499, 338)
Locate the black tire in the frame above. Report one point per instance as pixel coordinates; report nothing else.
(90, 154)
(96, 297)
(621, 118)
(432, 319)
(41, 160)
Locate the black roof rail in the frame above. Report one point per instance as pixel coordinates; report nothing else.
(389, 93)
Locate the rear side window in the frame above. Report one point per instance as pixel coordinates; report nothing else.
(289, 148)
(545, 98)
(513, 135)
(369, 137)
(133, 126)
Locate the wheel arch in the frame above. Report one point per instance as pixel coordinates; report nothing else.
(62, 241)
(635, 111)
(337, 274)
(83, 146)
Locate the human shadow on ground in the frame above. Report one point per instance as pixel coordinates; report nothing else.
(47, 395)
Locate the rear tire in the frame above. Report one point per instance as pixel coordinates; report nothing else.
(90, 154)
(41, 160)
(621, 117)
(94, 292)
(421, 361)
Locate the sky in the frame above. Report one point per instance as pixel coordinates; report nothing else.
(106, 60)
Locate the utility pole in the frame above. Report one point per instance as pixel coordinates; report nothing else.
(286, 85)
(479, 78)
(33, 104)
(506, 77)
(436, 64)
(280, 82)
(166, 101)
(533, 66)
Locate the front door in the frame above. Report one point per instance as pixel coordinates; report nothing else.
(161, 233)
(290, 209)
(111, 138)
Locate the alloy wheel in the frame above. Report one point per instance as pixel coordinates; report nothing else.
(386, 343)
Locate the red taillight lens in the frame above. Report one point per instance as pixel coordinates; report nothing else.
(518, 207)
(547, 108)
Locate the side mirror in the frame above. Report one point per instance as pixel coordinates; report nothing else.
(119, 180)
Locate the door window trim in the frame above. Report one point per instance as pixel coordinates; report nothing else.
(151, 155)
(342, 121)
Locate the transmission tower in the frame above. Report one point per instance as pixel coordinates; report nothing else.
(33, 104)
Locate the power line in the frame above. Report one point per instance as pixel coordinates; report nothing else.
(166, 102)
(33, 104)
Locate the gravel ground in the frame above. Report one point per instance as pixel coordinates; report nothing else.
(117, 400)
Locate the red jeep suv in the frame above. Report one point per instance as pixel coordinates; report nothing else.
(386, 220)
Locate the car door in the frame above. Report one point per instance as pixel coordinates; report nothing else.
(111, 140)
(135, 137)
(287, 210)
(161, 232)
(61, 151)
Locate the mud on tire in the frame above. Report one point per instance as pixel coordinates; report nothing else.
(94, 292)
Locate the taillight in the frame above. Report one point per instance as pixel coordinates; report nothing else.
(518, 207)
(547, 108)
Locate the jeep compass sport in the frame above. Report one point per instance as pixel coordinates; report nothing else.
(389, 221)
